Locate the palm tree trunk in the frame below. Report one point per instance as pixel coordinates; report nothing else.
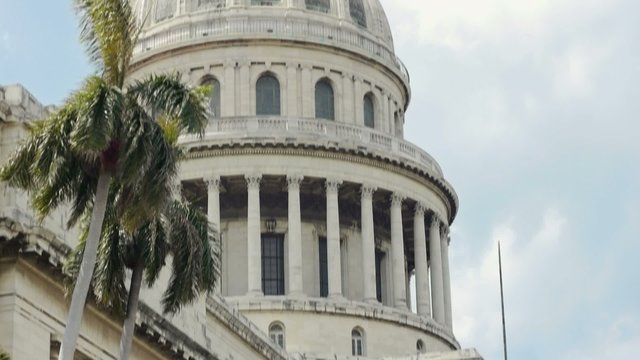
(132, 309)
(79, 297)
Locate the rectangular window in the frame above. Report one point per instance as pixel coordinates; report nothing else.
(379, 258)
(324, 270)
(273, 264)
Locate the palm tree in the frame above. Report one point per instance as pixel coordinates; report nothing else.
(180, 231)
(105, 133)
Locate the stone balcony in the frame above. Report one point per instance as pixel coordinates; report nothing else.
(311, 132)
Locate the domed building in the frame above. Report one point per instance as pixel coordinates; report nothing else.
(324, 210)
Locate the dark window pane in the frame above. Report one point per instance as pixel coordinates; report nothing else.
(324, 271)
(379, 258)
(214, 97)
(325, 107)
(356, 8)
(268, 96)
(273, 264)
(369, 113)
(318, 5)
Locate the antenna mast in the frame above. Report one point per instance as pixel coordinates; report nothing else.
(504, 328)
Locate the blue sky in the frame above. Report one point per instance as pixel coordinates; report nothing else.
(532, 109)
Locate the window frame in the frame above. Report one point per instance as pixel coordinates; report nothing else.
(277, 333)
(275, 277)
(331, 99)
(369, 97)
(215, 95)
(260, 97)
(358, 339)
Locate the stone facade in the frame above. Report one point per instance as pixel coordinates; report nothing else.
(323, 220)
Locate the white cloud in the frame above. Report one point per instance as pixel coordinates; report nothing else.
(5, 43)
(540, 287)
(619, 340)
(575, 71)
(463, 24)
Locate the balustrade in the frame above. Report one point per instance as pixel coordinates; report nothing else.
(289, 28)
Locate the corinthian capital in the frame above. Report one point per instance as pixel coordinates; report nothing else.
(213, 183)
(420, 209)
(366, 191)
(397, 199)
(253, 181)
(435, 220)
(293, 182)
(332, 185)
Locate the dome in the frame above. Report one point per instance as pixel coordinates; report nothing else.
(359, 26)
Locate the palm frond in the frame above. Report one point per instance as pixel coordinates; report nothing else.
(168, 95)
(109, 31)
(195, 263)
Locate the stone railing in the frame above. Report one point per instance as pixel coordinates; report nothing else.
(326, 133)
(188, 30)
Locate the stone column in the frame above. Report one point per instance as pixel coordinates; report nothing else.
(423, 296)
(437, 287)
(213, 214)
(368, 244)
(446, 277)
(294, 236)
(254, 236)
(397, 251)
(334, 263)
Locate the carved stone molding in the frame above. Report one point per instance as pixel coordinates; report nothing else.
(213, 183)
(366, 191)
(332, 185)
(435, 220)
(253, 181)
(293, 182)
(397, 199)
(420, 209)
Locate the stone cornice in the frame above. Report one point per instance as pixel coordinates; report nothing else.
(437, 185)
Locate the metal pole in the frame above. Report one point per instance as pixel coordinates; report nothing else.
(504, 328)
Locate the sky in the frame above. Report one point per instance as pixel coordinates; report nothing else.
(532, 109)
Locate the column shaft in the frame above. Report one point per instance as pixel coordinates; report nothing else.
(334, 263)
(368, 244)
(437, 287)
(397, 251)
(423, 296)
(213, 214)
(294, 237)
(254, 238)
(446, 277)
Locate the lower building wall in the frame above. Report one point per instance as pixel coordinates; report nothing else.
(331, 334)
(33, 311)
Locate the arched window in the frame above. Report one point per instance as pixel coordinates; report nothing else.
(325, 107)
(208, 4)
(318, 5)
(369, 112)
(420, 349)
(165, 9)
(356, 9)
(265, 2)
(276, 333)
(357, 342)
(214, 96)
(267, 95)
